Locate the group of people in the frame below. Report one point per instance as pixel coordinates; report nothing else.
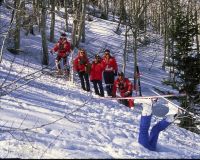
(106, 67)
(100, 68)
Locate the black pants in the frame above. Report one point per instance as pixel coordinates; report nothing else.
(98, 87)
(109, 81)
(125, 101)
(58, 59)
(84, 77)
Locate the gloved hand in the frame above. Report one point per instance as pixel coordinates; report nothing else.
(126, 93)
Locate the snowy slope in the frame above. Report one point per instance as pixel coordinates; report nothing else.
(53, 118)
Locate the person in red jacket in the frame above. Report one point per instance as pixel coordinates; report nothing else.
(80, 66)
(110, 71)
(125, 88)
(96, 75)
(63, 49)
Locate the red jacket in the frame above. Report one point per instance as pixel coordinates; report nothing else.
(62, 47)
(96, 71)
(123, 86)
(80, 63)
(110, 65)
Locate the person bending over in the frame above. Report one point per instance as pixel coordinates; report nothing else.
(125, 87)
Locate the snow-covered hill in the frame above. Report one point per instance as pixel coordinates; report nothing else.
(49, 117)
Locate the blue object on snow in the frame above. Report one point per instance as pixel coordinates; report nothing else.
(150, 141)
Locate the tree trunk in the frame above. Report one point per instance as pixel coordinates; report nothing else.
(197, 29)
(165, 27)
(66, 15)
(105, 9)
(45, 60)
(39, 19)
(135, 55)
(114, 9)
(125, 51)
(145, 17)
(83, 19)
(141, 19)
(75, 24)
(52, 20)
(18, 26)
(122, 14)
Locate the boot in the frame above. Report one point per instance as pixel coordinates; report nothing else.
(174, 112)
(131, 103)
(172, 109)
(147, 107)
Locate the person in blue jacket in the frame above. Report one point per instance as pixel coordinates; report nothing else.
(147, 140)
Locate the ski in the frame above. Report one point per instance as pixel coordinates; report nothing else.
(53, 73)
(146, 97)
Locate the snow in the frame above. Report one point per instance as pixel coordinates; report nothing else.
(52, 118)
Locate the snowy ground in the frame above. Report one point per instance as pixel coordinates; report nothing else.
(53, 118)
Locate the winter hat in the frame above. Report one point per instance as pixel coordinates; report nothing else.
(121, 74)
(107, 50)
(63, 35)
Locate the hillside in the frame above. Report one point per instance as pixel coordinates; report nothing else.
(48, 117)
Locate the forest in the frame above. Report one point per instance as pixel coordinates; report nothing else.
(177, 21)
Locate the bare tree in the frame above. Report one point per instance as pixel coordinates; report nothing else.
(17, 27)
(45, 59)
(122, 14)
(125, 50)
(52, 20)
(197, 8)
(81, 29)
(75, 22)
(135, 18)
(83, 19)
(166, 28)
(78, 30)
(66, 15)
